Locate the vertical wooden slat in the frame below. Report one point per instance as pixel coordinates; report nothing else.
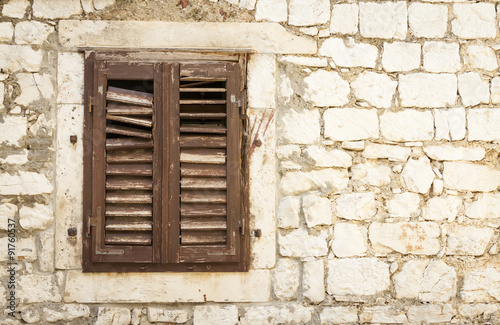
(157, 162)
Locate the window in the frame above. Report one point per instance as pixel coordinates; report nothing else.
(164, 169)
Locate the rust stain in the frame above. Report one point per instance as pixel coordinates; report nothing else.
(257, 132)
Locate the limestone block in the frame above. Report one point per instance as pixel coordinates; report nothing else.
(427, 90)
(383, 20)
(403, 205)
(371, 173)
(393, 153)
(13, 129)
(299, 126)
(468, 240)
(344, 18)
(7, 211)
(46, 254)
(465, 176)
(15, 8)
(382, 315)
(356, 206)
(449, 123)
(30, 316)
(37, 217)
(32, 32)
(481, 285)
(431, 313)
(277, 314)
(338, 315)
(34, 87)
(210, 315)
(495, 90)
(20, 57)
(428, 281)
(350, 124)
(289, 212)
(428, 20)
(301, 243)
(349, 277)
(305, 60)
(307, 13)
(6, 32)
(480, 57)
(2, 91)
(271, 10)
(441, 57)
(349, 53)
(157, 314)
(353, 145)
(38, 288)
(288, 151)
(70, 77)
(401, 56)
(101, 4)
(321, 157)
(349, 240)
(262, 81)
(286, 279)
(474, 20)
(16, 159)
(482, 124)
(473, 89)
(417, 175)
(317, 210)
(375, 88)
(486, 206)
(407, 125)
(24, 183)
(313, 274)
(113, 316)
(52, 9)
(67, 313)
(449, 152)
(475, 310)
(419, 238)
(326, 88)
(442, 208)
(327, 180)
(25, 249)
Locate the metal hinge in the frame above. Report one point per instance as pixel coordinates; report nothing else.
(242, 227)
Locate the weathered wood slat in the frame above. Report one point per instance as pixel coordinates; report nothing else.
(203, 196)
(203, 115)
(129, 184)
(128, 131)
(129, 226)
(120, 143)
(202, 90)
(193, 141)
(203, 238)
(202, 170)
(129, 157)
(207, 79)
(127, 239)
(197, 224)
(130, 169)
(204, 210)
(129, 96)
(129, 198)
(124, 109)
(131, 120)
(203, 129)
(202, 101)
(203, 156)
(203, 183)
(127, 211)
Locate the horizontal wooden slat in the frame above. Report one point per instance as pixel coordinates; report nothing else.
(129, 169)
(203, 170)
(197, 224)
(203, 183)
(124, 109)
(203, 156)
(129, 157)
(203, 196)
(129, 226)
(127, 239)
(202, 101)
(203, 90)
(207, 79)
(203, 115)
(120, 143)
(130, 120)
(129, 211)
(128, 198)
(203, 129)
(203, 238)
(129, 184)
(129, 96)
(203, 210)
(128, 131)
(192, 141)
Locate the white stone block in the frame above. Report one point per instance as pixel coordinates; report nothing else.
(299, 126)
(262, 81)
(276, 314)
(322, 157)
(37, 217)
(476, 310)
(338, 315)
(271, 10)
(474, 20)
(113, 316)
(349, 240)
(449, 123)
(382, 315)
(301, 243)
(38, 289)
(371, 173)
(326, 88)
(428, 90)
(375, 88)
(400, 56)
(313, 278)
(32, 32)
(441, 57)
(428, 20)
(289, 151)
(30, 315)
(473, 89)
(70, 77)
(24, 183)
(158, 314)
(15, 8)
(353, 145)
(25, 249)
(34, 87)
(350, 124)
(289, 212)
(356, 206)
(344, 18)
(349, 53)
(431, 313)
(418, 238)
(481, 284)
(465, 176)
(393, 153)
(349, 277)
(482, 124)
(210, 315)
(101, 4)
(16, 159)
(305, 60)
(6, 31)
(403, 205)
(450, 152)
(307, 13)
(486, 206)
(46, 254)
(20, 57)
(13, 130)
(442, 208)
(52, 9)
(67, 313)
(327, 180)
(286, 279)
(495, 90)
(383, 20)
(468, 240)
(7, 211)
(317, 210)
(480, 57)
(417, 175)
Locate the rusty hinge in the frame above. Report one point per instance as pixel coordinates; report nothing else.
(242, 227)
(99, 249)
(88, 226)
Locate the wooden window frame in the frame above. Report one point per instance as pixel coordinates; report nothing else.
(163, 67)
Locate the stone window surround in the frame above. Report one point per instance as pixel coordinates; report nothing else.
(267, 40)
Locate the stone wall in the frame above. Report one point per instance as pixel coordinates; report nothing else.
(374, 181)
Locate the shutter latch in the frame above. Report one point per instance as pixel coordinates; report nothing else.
(242, 227)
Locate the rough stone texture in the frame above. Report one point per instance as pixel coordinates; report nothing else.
(24, 183)
(32, 32)
(338, 315)
(261, 81)
(355, 206)
(442, 208)
(327, 180)
(34, 87)
(289, 212)
(382, 315)
(46, 256)
(486, 206)
(277, 314)
(38, 288)
(306, 13)
(25, 249)
(473, 89)
(299, 126)
(17, 57)
(321, 157)
(383, 20)
(465, 176)
(481, 284)
(301, 243)
(30, 316)
(403, 205)
(113, 316)
(393, 153)
(101, 4)
(417, 175)
(286, 279)
(313, 274)
(495, 90)
(449, 152)
(317, 210)
(427, 90)
(210, 315)
(481, 57)
(407, 125)
(372, 173)
(419, 238)
(450, 123)
(305, 60)
(52, 9)
(156, 314)
(349, 53)
(468, 240)
(441, 57)
(70, 78)
(15, 8)
(7, 211)
(475, 310)
(37, 217)
(426, 20)
(14, 129)
(350, 124)
(326, 88)
(482, 124)
(376, 88)
(67, 313)
(6, 32)
(474, 20)
(344, 18)
(349, 240)
(357, 277)
(401, 56)
(431, 313)
(271, 10)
